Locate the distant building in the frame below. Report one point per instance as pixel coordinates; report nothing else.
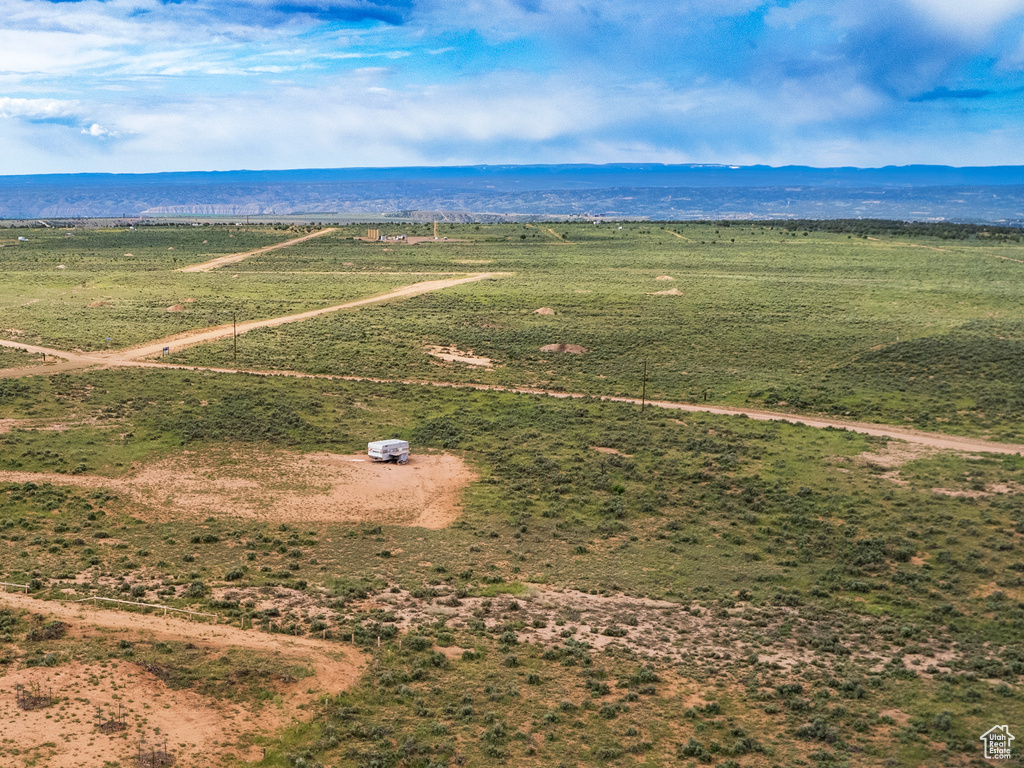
(373, 234)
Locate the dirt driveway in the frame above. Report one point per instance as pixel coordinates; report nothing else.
(234, 258)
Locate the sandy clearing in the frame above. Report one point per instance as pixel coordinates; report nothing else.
(610, 451)
(196, 727)
(453, 354)
(234, 258)
(572, 349)
(544, 311)
(286, 486)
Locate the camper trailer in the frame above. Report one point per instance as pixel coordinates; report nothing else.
(388, 450)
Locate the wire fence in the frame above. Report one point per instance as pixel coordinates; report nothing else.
(165, 608)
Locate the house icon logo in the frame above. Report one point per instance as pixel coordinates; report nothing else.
(997, 742)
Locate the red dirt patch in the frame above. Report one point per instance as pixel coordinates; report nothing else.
(199, 730)
(573, 349)
(175, 308)
(288, 486)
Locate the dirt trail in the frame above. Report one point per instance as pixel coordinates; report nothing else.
(120, 357)
(930, 439)
(225, 331)
(233, 258)
(199, 730)
(337, 666)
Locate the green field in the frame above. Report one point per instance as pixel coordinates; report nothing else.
(707, 590)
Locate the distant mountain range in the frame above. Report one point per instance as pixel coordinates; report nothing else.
(500, 192)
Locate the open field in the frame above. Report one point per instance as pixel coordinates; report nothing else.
(917, 331)
(550, 581)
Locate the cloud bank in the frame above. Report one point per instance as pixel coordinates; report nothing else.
(145, 85)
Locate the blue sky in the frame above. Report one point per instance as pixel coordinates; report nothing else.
(142, 86)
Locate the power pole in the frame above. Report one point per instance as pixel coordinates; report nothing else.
(643, 394)
(234, 334)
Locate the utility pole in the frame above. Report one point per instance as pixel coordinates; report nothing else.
(643, 394)
(234, 334)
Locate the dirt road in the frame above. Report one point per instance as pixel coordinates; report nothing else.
(225, 331)
(199, 730)
(74, 360)
(929, 439)
(338, 666)
(234, 258)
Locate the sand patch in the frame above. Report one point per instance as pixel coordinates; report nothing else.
(612, 451)
(544, 311)
(286, 486)
(669, 292)
(199, 729)
(175, 308)
(572, 349)
(454, 355)
(64, 735)
(894, 454)
(664, 277)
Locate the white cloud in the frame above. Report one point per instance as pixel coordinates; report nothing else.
(98, 131)
(972, 17)
(37, 108)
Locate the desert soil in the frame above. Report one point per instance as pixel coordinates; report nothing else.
(455, 355)
(286, 486)
(200, 730)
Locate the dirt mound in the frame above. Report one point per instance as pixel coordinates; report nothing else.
(664, 277)
(544, 311)
(669, 292)
(573, 349)
(175, 308)
(188, 301)
(287, 486)
(95, 304)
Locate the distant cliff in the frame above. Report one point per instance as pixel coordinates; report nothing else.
(923, 193)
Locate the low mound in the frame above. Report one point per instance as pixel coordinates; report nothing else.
(286, 486)
(188, 301)
(669, 292)
(175, 308)
(664, 277)
(95, 304)
(544, 311)
(573, 349)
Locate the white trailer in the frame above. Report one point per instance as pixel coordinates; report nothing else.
(388, 450)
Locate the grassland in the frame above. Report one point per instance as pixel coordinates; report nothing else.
(919, 331)
(705, 590)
